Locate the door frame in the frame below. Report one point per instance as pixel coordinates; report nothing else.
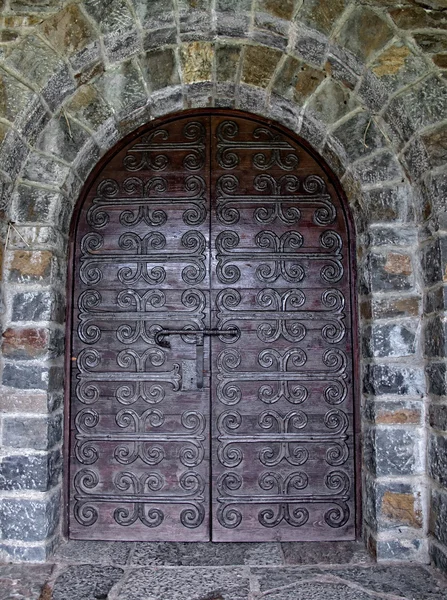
(358, 449)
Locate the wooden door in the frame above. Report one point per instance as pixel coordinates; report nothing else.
(211, 340)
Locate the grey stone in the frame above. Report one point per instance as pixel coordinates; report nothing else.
(435, 342)
(431, 262)
(232, 25)
(438, 515)
(13, 154)
(29, 520)
(392, 236)
(23, 583)
(387, 204)
(16, 552)
(85, 58)
(62, 137)
(86, 159)
(390, 339)
(415, 582)
(373, 92)
(59, 86)
(38, 306)
(37, 433)
(397, 451)
(379, 168)
(155, 38)
(155, 15)
(38, 472)
(437, 457)
(119, 45)
(32, 120)
(34, 60)
(160, 68)
(437, 414)
(309, 553)
(270, 579)
(416, 159)
(437, 378)
(315, 591)
(392, 271)
(439, 557)
(26, 377)
(435, 190)
(87, 582)
(113, 15)
(393, 379)
(186, 584)
(34, 205)
(344, 66)
(311, 46)
(332, 101)
(43, 169)
(206, 554)
(398, 120)
(360, 135)
(123, 87)
(90, 552)
(194, 24)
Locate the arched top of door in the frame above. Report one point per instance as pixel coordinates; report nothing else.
(268, 137)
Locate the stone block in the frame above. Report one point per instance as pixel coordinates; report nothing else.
(14, 96)
(297, 81)
(119, 45)
(87, 64)
(431, 262)
(416, 159)
(25, 343)
(167, 101)
(232, 24)
(271, 22)
(394, 380)
(38, 306)
(13, 154)
(251, 99)
(437, 457)
(111, 16)
(388, 204)
(155, 38)
(359, 135)
(438, 515)
(390, 339)
(43, 169)
(37, 553)
(397, 66)
(35, 266)
(401, 412)
(401, 550)
(32, 120)
(89, 107)
(62, 137)
(435, 145)
(34, 60)
(122, 87)
(227, 62)
(364, 33)
(313, 131)
(434, 189)
(29, 520)
(285, 112)
(154, 15)
(321, 14)
(36, 433)
(38, 472)
(86, 159)
(199, 95)
(438, 556)
(259, 64)
(404, 236)
(87, 581)
(437, 413)
(435, 337)
(343, 66)
(378, 169)
(397, 451)
(390, 271)
(31, 376)
(59, 86)
(311, 46)
(23, 401)
(417, 17)
(68, 31)
(373, 92)
(437, 378)
(160, 68)
(332, 101)
(194, 24)
(34, 205)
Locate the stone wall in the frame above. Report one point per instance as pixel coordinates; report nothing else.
(362, 81)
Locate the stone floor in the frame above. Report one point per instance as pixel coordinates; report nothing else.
(169, 571)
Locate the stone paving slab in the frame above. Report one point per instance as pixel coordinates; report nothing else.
(198, 583)
(207, 571)
(206, 554)
(23, 582)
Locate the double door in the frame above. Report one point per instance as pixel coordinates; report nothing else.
(211, 345)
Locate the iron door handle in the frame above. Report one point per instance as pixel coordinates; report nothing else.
(199, 334)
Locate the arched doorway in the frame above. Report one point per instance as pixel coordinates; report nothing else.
(212, 346)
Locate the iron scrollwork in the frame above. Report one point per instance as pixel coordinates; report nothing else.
(140, 497)
(152, 151)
